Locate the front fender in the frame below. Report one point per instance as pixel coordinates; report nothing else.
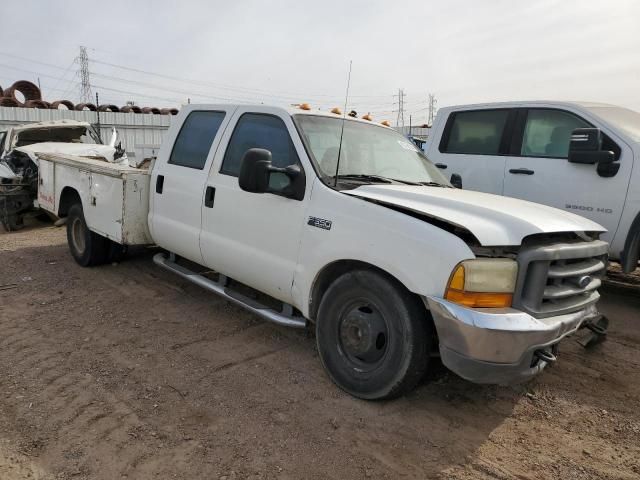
(418, 254)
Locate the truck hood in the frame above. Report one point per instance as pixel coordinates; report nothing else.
(494, 220)
(77, 149)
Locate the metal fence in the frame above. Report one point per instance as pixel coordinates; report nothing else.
(141, 134)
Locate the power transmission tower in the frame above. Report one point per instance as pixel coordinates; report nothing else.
(432, 108)
(85, 85)
(400, 118)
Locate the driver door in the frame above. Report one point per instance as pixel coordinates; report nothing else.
(541, 172)
(251, 237)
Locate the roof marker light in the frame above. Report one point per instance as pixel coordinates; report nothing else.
(336, 110)
(385, 123)
(367, 117)
(305, 106)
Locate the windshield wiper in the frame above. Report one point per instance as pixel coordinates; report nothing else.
(375, 178)
(434, 184)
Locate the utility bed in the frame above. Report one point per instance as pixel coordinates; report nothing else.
(115, 197)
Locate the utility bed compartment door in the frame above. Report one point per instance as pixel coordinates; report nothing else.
(46, 186)
(105, 206)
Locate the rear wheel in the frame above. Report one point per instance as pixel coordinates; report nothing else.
(87, 247)
(373, 336)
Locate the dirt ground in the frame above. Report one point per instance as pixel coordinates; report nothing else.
(125, 371)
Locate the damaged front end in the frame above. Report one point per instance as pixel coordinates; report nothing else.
(18, 188)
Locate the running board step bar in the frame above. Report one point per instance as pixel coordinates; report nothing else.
(285, 317)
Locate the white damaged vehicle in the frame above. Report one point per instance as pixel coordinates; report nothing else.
(19, 162)
(307, 218)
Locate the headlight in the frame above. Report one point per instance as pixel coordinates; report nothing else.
(483, 283)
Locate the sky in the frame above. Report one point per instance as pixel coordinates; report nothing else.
(161, 53)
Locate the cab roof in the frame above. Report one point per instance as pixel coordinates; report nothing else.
(290, 110)
(51, 124)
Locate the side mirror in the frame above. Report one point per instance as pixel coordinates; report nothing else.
(258, 175)
(456, 180)
(586, 147)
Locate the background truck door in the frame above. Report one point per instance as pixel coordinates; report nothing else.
(253, 238)
(473, 144)
(539, 171)
(178, 180)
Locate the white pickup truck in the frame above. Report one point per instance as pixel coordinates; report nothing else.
(391, 264)
(526, 150)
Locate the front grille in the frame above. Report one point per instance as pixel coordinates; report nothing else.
(559, 278)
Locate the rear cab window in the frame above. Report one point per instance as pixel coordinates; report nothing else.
(477, 132)
(195, 138)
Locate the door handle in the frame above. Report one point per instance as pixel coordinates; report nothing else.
(441, 165)
(521, 171)
(159, 183)
(209, 195)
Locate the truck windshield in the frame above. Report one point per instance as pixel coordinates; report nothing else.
(623, 118)
(79, 134)
(369, 153)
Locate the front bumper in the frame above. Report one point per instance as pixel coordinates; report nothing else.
(499, 345)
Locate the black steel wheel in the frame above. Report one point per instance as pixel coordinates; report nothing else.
(373, 336)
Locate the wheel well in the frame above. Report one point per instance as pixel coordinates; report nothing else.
(631, 253)
(68, 197)
(334, 270)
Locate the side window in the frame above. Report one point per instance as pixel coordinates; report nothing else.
(257, 130)
(193, 143)
(476, 132)
(547, 133)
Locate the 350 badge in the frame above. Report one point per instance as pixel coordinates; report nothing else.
(319, 223)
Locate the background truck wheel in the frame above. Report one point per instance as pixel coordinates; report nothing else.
(116, 251)
(373, 336)
(87, 248)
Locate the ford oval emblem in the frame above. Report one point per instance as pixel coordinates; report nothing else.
(583, 282)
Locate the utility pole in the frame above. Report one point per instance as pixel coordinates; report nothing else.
(432, 109)
(85, 85)
(400, 118)
(99, 129)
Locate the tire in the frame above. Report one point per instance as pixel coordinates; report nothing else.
(116, 252)
(373, 336)
(86, 247)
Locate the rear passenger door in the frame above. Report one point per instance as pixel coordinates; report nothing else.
(178, 181)
(474, 144)
(254, 238)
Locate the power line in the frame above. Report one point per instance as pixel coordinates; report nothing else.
(290, 96)
(32, 61)
(64, 74)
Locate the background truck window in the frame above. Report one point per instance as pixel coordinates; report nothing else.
(255, 130)
(193, 143)
(548, 132)
(477, 132)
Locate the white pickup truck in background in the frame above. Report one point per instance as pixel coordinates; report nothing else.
(389, 262)
(524, 150)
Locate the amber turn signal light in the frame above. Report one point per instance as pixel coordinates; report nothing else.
(458, 290)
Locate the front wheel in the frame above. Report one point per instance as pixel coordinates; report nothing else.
(86, 247)
(374, 337)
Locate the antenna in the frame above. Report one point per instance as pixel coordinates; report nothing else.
(344, 119)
